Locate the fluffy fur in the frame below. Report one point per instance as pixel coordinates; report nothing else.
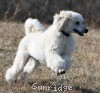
(32, 25)
(52, 47)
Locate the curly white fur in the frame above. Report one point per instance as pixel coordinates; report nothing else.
(32, 25)
(51, 47)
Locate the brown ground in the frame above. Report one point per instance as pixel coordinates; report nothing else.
(83, 77)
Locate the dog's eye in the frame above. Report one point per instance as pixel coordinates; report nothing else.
(77, 23)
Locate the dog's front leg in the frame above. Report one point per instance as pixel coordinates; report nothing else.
(56, 63)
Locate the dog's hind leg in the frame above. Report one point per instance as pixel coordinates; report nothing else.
(20, 60)
(31, 65)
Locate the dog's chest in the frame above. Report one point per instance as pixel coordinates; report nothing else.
(63, 45)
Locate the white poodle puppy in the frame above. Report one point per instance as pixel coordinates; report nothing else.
(52, 47)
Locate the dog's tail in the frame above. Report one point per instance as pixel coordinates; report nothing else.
(33, 25)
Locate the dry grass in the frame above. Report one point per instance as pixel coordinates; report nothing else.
(84, 75)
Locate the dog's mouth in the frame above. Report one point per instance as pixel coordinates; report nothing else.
(78, 32)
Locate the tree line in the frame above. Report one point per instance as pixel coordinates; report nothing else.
(20, 10)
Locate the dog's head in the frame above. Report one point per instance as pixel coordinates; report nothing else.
(70, 22)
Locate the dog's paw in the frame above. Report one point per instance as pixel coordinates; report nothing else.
(61, 71)
(10, 76)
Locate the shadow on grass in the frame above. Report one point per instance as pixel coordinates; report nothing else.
(84, 90)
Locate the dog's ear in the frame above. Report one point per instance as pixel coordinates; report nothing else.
(61, 15)
(57, 17)
(61, 19)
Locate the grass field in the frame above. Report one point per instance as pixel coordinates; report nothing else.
(83, 77)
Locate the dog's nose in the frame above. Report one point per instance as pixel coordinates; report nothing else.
(86, 30)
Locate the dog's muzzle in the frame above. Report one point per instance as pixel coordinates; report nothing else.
(81, 33)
